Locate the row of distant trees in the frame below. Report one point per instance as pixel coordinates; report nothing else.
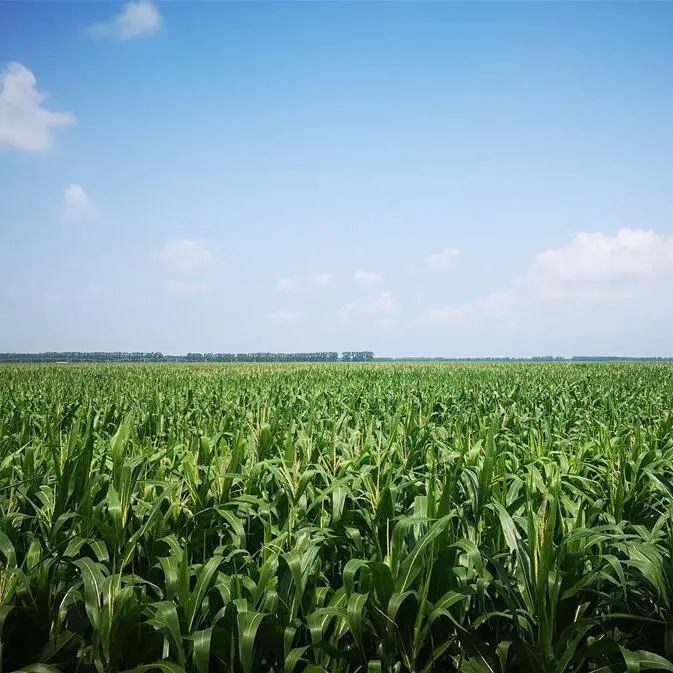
(535, 358)
(119, 356)
(319, 356)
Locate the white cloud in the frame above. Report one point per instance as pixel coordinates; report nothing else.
(630, 253)
(187, 288)
(136, 19)
(185, 255)
(284, 316)
(287, 285)
(24, 123)
(368, 277)
(442, 259)
(77, 205)
(323, 279)
(612, 272)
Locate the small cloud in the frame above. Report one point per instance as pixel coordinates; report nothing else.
(368, 277)
(442, 259)
(284, 316)
(287, 285)
(323, 279)
(77, 205)
(187, 288)
(25, 124)
(185, 255)
(136, 19)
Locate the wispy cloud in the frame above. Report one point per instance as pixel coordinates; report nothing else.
(25, 123)
(368, 277)
(187, 255)
(383, 303)
(287, 284)
(442, 259)
(136, 20)
(77, 205)
(323, 279)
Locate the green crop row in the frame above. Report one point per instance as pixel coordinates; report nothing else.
(490, 518)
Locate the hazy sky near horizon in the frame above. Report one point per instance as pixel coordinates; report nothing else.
(410, 178)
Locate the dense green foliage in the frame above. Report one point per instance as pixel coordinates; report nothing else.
(239, 518)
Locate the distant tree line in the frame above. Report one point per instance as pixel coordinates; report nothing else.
(537, 358)
(119, 356)
(318, 356)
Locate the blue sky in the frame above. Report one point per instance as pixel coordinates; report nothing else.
(410, 178)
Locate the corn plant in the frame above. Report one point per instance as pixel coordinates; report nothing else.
(336, 518)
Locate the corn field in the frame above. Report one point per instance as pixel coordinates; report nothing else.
(382, 518)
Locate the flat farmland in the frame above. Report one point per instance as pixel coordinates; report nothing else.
(336, 517)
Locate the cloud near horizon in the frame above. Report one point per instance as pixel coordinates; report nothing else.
(628, 254)
(593, 271)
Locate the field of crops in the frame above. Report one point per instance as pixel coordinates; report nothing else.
(341, 517)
